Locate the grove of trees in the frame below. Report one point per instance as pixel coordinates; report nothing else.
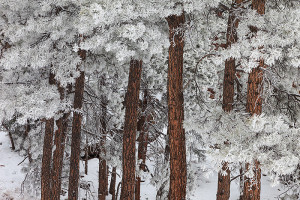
(152, 87)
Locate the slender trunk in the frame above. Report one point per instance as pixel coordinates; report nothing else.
(143, 143)
(112, 187)
(46, 162)
(86, 159)
(76, 135)
(47, 154)
(241, 181)
(130, 127)
(11, 141)
(118, 188)
(58, 155)
(103, 182)
(178, 167)
(252, 186)
(10, 137)
(27, 130)
(223, 192)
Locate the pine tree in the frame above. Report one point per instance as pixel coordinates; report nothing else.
(143, 142)
(103, 172)
(58, 154)
(223, 192)
(47, 154)
(178, 167)
(76, 134)
(130, 127)
(112, 187)
(252, 186)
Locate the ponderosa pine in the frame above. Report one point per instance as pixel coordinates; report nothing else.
(143, 142)
(252, 186)
(223, 192)
(76, 134)
(58, 154)
(47, 154)
(178, 166)
(130, 128)
(103, 180)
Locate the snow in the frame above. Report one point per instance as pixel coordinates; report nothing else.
(11, 179)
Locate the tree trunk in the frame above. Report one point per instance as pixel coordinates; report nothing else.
(46, 162)
(26, 132)
(252, 186)
(58, 155)
(10, 137)
(223, 192)
(86, 159)
(103, 181)
(241, 181)
(112, 187)
(130, 127)
(47, 154)
(76, 135)
(143, 143)
(178, 167)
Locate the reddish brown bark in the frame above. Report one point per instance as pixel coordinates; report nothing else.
(223, 192)
(252, 186)
(178, 170)
(112, 187)
(254, 106)
(46, 161)
(130, 127)
(76, 135)
(47, 154)
(259, 6)
(103, 181)
(58, 155)
(143, 143)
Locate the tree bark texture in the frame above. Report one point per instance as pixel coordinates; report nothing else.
(143, 143)
(254, 90)
(76, 135)
(103, 180)
(47, 154)
(46, 161)
(58, 155)
(178, 167)
(112, 187)
(130, 127)
(223, 192)
(252, 186)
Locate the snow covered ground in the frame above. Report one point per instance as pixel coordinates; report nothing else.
(11, 179)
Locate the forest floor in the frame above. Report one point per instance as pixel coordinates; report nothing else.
(11, 179)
